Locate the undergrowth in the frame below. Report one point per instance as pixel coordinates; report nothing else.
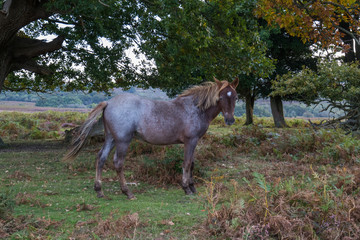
(254, 182)
(317, 206)
(41, 125)
(300, 145)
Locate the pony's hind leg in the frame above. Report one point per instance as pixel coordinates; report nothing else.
(119, 159)
(188, 166)
(100, 161)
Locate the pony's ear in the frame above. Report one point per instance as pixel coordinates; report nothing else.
(219, 83)
(235, 83)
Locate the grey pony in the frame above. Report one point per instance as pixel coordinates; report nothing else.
(183, 120)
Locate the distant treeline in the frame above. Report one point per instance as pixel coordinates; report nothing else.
(57, 99)
(291, 109)
(89, 100)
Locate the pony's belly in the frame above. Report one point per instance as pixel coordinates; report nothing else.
(158, 139)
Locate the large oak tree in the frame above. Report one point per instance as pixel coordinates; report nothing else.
(79, 44)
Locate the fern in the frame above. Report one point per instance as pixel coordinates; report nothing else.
(261, 182)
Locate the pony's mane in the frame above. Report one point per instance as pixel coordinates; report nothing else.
(206, 95)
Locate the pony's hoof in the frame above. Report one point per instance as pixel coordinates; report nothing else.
(100, 195)
(192, 189)
(188, 191)
(131, 198)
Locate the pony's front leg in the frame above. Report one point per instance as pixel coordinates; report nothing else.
(188, 165)
(191, 183)
(100, 161)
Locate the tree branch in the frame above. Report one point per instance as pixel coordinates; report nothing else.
(103, 4)
(347, 32)
(32, 66)
(59, 21)
(29, 48)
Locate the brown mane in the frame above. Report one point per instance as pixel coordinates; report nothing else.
(206, 94)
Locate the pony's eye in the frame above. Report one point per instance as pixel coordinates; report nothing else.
(221, 98)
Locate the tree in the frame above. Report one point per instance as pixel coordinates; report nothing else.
(87, 52)
(333, 85)
(327, 23)
(192, 41)
(324, 22)
(291, 55)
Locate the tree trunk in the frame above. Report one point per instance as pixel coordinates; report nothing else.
(20, 52)
(277, 112)
(249, 102)
(5, 65)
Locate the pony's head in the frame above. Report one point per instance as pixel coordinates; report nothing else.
(227, 99)
(219, 93)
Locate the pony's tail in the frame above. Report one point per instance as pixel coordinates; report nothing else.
(84, 132)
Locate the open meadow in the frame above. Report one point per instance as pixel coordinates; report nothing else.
(254, 182)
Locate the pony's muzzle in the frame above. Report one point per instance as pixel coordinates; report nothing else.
(229, 119)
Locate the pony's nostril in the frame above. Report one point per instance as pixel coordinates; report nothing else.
(229, 121)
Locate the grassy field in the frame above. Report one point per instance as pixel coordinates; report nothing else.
(254, 182)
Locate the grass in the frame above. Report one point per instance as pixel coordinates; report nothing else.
(45, 188)
(254, 182)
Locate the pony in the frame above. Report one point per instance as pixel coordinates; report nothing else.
(183, 120)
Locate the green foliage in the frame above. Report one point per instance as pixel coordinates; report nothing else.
(336, 85)
(290, 55)
(188, 41)
(193, 41)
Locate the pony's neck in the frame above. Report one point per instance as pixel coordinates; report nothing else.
(212, 112)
